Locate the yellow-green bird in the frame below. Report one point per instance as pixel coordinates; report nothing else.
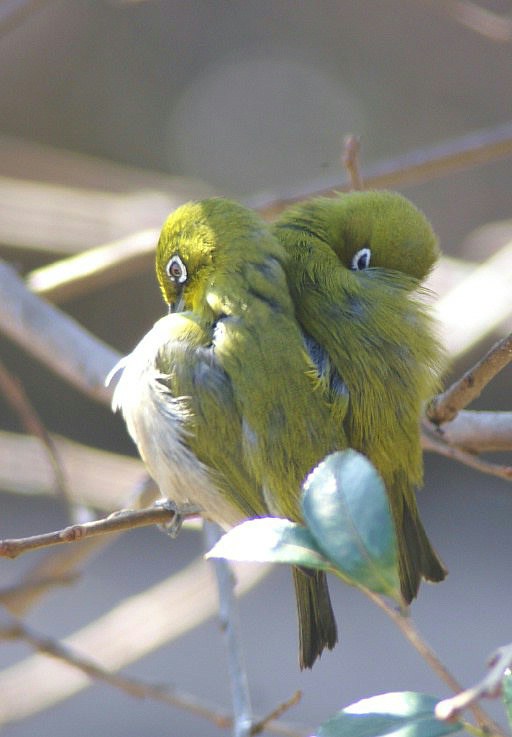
(356, 263)
(222, 397)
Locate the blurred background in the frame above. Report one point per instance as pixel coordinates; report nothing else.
(111, 114)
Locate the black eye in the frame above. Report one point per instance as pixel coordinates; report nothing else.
(176, 270)
(361, 259)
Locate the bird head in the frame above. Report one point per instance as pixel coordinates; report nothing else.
(368, 229)
(204, 242)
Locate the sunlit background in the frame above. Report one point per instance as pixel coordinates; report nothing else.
(113, 112)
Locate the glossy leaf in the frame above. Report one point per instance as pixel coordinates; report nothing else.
(346, 508)
(401, 714)
(270, 540)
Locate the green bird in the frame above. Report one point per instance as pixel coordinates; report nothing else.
(356, 263)
(221, 397)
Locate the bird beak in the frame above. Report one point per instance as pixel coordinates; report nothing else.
(179, 305)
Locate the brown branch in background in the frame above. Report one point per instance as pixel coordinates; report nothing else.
(172, 696)
(467, 459)
(18, 631)
(408, 629)
(56, 339)
(415, 167)
(266, 723)
(95, 268)
(489, 686)
(108, 264)
(117, 639)
(125, 519)
(16, 396)
(445, 406)
(350, 161)
(35, 587)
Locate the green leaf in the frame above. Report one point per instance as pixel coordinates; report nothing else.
(401, 714)
(270, 540)
(346, 508)
(506, 686)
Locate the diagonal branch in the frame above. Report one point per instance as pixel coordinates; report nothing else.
(54, 338)
(489, 686)
(465, 390)
(125, 519)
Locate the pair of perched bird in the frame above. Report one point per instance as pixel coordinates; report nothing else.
(286, 343)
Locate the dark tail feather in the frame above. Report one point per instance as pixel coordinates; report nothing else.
(317, 626)
(417, 558)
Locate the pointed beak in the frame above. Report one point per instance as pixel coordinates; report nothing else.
(179, 305)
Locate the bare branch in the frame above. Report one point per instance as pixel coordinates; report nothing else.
(465, 320)
(408, 629)
(24, 469)
(95, 268)
(172, 696)
(477, 431)
(230, 626)
(415, 167)
(489, 686)
(465, 390)
(267, 722)
(350, 160)
(468, 459)
(118, 639)
(125, 519)
(53, 337)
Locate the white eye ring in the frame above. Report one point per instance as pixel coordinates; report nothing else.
(176, 270)
(361, 259)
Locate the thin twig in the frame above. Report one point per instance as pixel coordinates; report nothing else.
(489, 686)
(229, 620)
(413, 168)
(276, 713)
(465, 390)
(131, 686)
(125, 519)
(350, 160)
(16, 396)
(406, 626)
(117, 639)
(109, 263)
(134, 687)
(463, 456)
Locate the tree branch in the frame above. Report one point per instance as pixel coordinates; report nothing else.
(95, 268)
(117, 638)
(468, 459)
(125, 519)
(230, 626)
(406, 626)
(413, 168)
(489, 686)
(350, 161)
(476, 431)
(465, 390)
(54, 338)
